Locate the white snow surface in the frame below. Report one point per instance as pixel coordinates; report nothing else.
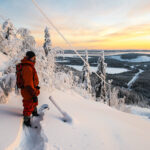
(144, 112)
(109, 70)
(11, 122)
(138, 59)
(94, 126)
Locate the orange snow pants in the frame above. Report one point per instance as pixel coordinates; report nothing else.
(28, 103)
(29, 107)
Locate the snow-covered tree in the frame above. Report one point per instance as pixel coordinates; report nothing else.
(8, 30)
(28, 41)
(9, 43)
(1, 34)
(86, 74)
(116, 101)
(47, 44)
(46, 67)
(10, 47)
(100, 87)
(7, 84)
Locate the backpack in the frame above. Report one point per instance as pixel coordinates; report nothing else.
(19, 78)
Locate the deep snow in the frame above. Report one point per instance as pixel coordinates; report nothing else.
(94, 125)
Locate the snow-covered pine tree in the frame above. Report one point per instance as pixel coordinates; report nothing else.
(100, 87)
(28, 41)
(47, 44)
(86, 74)
(8, 30)
(1, 34)
(7, 84)
(9, 44)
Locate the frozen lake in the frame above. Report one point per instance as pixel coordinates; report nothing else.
(109, 70)
(138, 59)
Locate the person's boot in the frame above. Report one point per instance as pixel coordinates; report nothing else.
(35, 113)
(27, 121)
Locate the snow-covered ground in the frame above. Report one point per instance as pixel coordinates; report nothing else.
(11, 122)
(138, 59)
(94, 126)
(144, 112)
(109, 70)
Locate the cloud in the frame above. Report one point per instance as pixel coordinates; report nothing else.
(139, 9)
(132, 31)
(91, 23)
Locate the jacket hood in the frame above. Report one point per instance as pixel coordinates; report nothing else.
(26, 61)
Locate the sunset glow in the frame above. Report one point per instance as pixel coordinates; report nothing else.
(90, 24)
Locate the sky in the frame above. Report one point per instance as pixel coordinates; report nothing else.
(86, 24)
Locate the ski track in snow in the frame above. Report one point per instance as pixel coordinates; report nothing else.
(95, 126)
(34, 138)
(130, 83)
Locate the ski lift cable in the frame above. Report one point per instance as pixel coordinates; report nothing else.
(68, 43)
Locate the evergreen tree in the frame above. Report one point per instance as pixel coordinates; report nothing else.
(28, 41)
(8, 30)
(86, 74)
(100, 87)
(47, 44)
(9, 44)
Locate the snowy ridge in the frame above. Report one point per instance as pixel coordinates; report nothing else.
(11, 122)
(95, 126)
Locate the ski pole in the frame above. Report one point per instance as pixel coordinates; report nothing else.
(66, 117)
(60, 110)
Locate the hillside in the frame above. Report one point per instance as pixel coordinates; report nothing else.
(94, 126)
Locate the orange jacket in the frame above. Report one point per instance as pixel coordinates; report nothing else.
(30, 79)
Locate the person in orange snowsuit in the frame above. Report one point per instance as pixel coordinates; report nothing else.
(30, 89)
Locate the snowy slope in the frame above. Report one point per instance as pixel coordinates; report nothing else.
(95, 126)
(10, 122)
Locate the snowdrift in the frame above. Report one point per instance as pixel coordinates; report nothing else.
(94, 125)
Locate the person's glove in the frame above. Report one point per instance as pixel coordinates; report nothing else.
(37, 87)
(35, 99)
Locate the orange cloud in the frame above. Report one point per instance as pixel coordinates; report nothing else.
(132, 37)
